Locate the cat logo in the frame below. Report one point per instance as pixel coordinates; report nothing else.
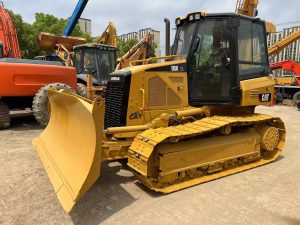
(266, 97)
(174, 68)
(135, 115)
(115, 78)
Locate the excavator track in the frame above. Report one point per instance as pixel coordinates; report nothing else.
(4, 115)
(172, 158)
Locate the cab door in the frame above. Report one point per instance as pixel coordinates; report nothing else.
(210, 68)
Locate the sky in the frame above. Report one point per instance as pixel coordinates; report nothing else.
(132, 15)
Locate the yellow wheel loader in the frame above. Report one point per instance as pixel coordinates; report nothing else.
(181, 120)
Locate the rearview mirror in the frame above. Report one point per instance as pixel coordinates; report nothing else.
(196, 45)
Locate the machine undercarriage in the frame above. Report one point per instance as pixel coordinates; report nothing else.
(173, 158)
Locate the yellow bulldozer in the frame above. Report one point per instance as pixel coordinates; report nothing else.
(180, 120)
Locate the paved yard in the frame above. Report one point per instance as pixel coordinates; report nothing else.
(266, 195)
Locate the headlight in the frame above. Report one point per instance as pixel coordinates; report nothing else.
(197, 16)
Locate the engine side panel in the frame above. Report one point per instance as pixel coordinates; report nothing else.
(21, 79)
(258, 91)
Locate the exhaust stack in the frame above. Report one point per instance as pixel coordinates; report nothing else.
(167, 21)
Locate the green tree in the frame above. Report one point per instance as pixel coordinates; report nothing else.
(125, 46)
(26, 36)
(153, 48)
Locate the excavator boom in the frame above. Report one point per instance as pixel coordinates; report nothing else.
(64, 54)
(289, 65)
(278, 46)
(109, 36)
(247, 7)
(8, 36)
(140, 51)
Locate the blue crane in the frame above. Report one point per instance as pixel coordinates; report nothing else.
(75, 17)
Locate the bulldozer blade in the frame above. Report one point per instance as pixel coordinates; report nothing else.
(70, 146)
(47, 41)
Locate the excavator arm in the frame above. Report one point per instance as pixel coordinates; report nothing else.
(289, 65)
(284, 42)
(109, 36)
(8, 35)
(64, 54)
(138, 52)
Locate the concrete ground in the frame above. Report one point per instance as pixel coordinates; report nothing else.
(266, 195)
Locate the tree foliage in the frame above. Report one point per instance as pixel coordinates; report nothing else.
(125, 46)
(27, 33)
(26, 36)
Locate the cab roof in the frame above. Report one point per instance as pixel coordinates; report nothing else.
(96, 45)
(198, 15)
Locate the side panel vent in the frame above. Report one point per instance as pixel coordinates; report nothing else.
(157, 92)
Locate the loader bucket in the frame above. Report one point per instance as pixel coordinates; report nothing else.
(70, 146)
(47, 41)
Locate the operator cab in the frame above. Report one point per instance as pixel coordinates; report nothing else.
(96, 59)
(221, 50)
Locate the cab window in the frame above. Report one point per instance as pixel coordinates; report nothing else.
(252, 53)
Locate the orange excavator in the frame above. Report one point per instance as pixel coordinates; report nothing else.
(287, 87)
(289, 65)
(24, 83)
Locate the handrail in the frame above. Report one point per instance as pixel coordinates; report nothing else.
(148, 61)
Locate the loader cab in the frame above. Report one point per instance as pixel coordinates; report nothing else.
(221, 50)
(98, 59)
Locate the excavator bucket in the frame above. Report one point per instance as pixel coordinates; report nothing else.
(70, 146)
(47, 41)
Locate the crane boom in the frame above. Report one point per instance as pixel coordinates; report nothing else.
(75, 17)
(284, 42)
